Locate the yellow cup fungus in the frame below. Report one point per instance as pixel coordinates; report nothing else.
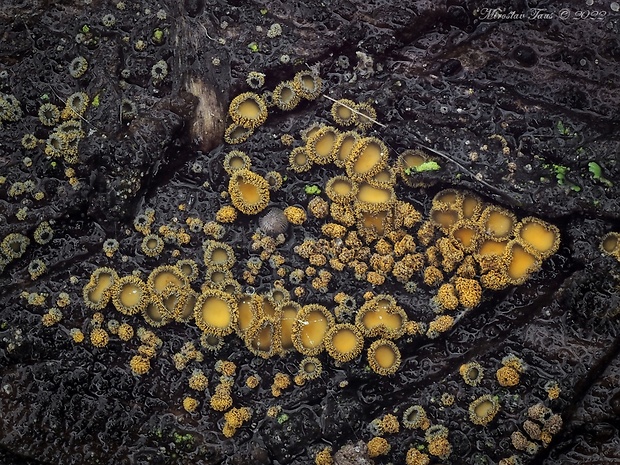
(343, 147)
(249, 192)
(497, 222)
(96, 293)
(381, 316)
(483, 410)
(472, 373)
(507, 376)
(415, 457)
(218, 255)
(166, 275)
(342, 112)
(384, 357)
(378, 446)
(299, 161)
(152, 245)
(310, 327)
(236, 160)
(308, 84)
(320, 145)
(14, 245)
(286, 95)
(310, 368)
(368, 156)
(139, 364)
(538, 237)
(519, 263)
(264, 338)
(226, 214)
(216, 312)
(415, 417)
(467, 233)
(366, 116)
(99, 337)
(130, 295)
(248, 110)
(288, 311)
(295, 215)
(344, 342)
(610, 244)
(237, 134)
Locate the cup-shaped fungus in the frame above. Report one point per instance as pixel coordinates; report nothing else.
(610, 244)
(286, 95)
(248, 110)
(368, 156)
(249, 312)
(236, 160)
(165, 275)
(471, 206)
(407, 166)
(467, 233)
(415, 417)
(341, 189)
(310, 368)
(344, 342)
(538, 237)
(289, 311)
(308, 84)
(444, 217)
(218, 255)
(299, 161)
(472, 373)
(264, 338)
(497, 222)
(483, 409)
(366, 116)
(216, 312)
(189, 268)
(96, 293)
(14, 245)
(320, 145)
(344, 146)
(343, 113)
(310, 327)
(448, 198)
(381, 316)
(373, 219)
(237, 134)
(249, 192)
(519, 263)
(152, 245)
(383, 357)
(130, 295)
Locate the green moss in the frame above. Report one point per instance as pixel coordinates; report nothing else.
(158, 36)
(560, 172)
(254, 48)
(183, 439)
(283, 418)
(597, 173)
(311, 189)
(426, 166)
(86, 29)
(564, 130)
(263, 11)
(95, 103)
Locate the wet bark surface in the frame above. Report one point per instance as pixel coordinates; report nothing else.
(523, 111)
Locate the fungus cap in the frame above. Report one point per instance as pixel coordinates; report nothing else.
(538, 237)
(368, 156)
(344, 342)
(96, 293)
(236, 160)
(248, 110)
(310, 327)
(218, 255)
(216, 312)
(342, 112)
(264, 338)
(381, 316)
(130, 295)
(384, 357)
(249, 192)
(483, 409)
(308, 84)
(286, 95)
(321, 144)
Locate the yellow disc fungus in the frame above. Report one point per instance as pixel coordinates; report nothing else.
(368, 156)
(467, 233)
(308, 83)
(483, 409)
(236, 160)
(249, 192)
(468, 291)
(446, 297)
(226, 214)
(264, 338)
(497, 222)
(471, 206)
(310, 368)
(341, 189)
(166, 275)
(415, 417)
(538, 237)
(14, 245)
(384, 357)
(236, 134)
(130, 295)
(519, 263)
(440, 447)
(472, 373)
(190, 404)
(320, 145)
(216, 312)
(366, 116)
(248, 110)
(286, 95)
(610, 244)
(299, 161)
(125, 332)
(310, 327)
(218, 255)
(343, 146)
(198, 381)
(343, 113)
(381, 316)
(344, 342)
(288, 312)
(152, 245)
(415, 457)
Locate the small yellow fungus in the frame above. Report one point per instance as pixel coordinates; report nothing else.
(310, 327)
(310, 368)
(342, 112)
(226, 214)
(433, 276)
(152, 245)
(368, 157)
(236, 160)
(215, 312)
(218, 255)
(308, 84)
(130, 295)
(384, 357)
(190, 404)
(99, 337)
(472, 373)
(415, 417)
(295, 215)
(446, 297)
(324, 457)
(378, 446)
(248, 110)
(77, 335)
(610, 244)
(198, 381)
(344, 342)
(440, 447)
(97, 292)
(139, 364)
(507, 376)
(343, 146)
(299, 161)
(538, 237)
(381, 316)
(483, 409)
(125, 332)
(366, 116)
(469, 292)
(286, 95)
(249, 192)
(236, 134)
(415, 457)
(497, 222)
